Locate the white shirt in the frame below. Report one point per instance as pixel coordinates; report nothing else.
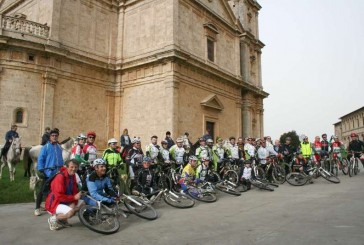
(263, 153)
(247, 173)
(234, 149)
(249, 149)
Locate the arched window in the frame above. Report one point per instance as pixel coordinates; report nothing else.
(19, 116)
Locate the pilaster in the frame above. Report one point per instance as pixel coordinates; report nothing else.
(47, 106)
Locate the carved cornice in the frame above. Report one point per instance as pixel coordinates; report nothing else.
(50, 78)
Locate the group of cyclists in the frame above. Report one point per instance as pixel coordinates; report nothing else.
(137, 168)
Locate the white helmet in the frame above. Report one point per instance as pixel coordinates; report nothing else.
(98, 161)
(112, 140)
(82, 136)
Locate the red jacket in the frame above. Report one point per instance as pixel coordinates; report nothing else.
(58, 188)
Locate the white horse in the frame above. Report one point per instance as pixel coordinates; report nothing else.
(12, 158)
(35, 150)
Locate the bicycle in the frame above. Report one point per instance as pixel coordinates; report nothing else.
(200, 193)
(262, 184)
(353, 164)
(301, 178)
(277, 172)
(228, 170)
(176, 200)
(336, 164)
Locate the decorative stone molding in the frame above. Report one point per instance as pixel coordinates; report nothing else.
(212, 101)
(50, 79)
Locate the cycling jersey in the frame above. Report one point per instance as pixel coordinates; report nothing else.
(145, 179)
(201, 172)
(356, 145)
(233, 151)
(188, 173)
(263, 153)
(165, 155)
(202, 152)
(317, 146)
(152, 151)
(90, 152)
(336, 146)
(249, 151)
(79, 154)
(134, 157)
(177, 153)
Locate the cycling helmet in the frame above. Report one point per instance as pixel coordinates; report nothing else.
(112, 140)
(202, 139)
(98, 161)
(91, 133)
(82, 136)
(147, 159)
(209, 141)
(353, 135)
(135, 140)
(164, 142)
(179, 140)
(205, 159)
(335, 137)
(191, 158)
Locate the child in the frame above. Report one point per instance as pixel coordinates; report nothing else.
(246, 174)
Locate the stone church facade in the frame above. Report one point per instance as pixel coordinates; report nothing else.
(146, 65)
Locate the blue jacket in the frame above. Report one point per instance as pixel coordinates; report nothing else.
(100, 188)
(50, 159)
(10, 134)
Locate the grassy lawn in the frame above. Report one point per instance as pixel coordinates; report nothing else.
(17, 191)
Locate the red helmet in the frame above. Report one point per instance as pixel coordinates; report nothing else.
(91, 133)
(353, 135)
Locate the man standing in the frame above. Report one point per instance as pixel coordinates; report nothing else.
(152, 150)
(8, 139)
(49, 162)
(355, 145)
(64, 200)
(169, 139)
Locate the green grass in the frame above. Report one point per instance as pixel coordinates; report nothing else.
(17, 191)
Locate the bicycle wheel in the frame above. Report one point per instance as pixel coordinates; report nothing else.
(279, 174)
(199, 195)
(351, 168)
(242, 188)
(345, 166)
(178, 200)
(329, 176)
(231, 176)
(138, 207)
(214, 177)
(356, 166)
(97, 220)
(296, 179)
(334, 167)
(261, 185)
(164, 182)
(227, 189)
(259, 173)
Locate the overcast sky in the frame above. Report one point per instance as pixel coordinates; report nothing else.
(312, 64)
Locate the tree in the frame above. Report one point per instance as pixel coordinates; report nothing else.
(295, 141)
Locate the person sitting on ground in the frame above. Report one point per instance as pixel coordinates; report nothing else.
(188, 174)
(145, 180)
(246, 174)
(202, 170)
(64, 200)
(99, 184)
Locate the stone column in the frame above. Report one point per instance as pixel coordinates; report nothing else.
(247, 119)
(239, 118)
(171, 103)
(47, 100)
(261, 122)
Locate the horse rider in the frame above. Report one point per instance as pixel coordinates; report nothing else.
(45, 137)
(8, 139)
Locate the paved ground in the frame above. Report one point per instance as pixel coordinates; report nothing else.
(320, 213)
